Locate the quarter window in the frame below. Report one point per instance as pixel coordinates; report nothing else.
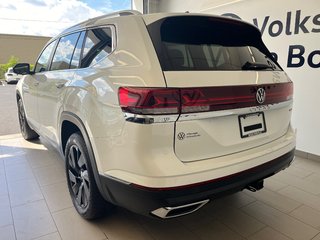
(43, 61)
(98, 44)
(63, 55)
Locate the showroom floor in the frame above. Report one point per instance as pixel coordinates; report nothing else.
(35, 204)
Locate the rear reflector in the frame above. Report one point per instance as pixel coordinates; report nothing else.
(154, 101)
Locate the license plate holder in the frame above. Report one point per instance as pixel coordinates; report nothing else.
(252, 124)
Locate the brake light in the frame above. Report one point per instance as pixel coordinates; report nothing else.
(149, 100)
(152, 101)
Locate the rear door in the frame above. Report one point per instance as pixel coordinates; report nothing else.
(234, 95)
(51, 87)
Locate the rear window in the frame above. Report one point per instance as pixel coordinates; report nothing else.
(191, 43)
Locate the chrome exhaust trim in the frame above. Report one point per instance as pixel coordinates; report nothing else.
(172, 212)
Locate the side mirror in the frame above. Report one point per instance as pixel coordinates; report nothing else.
(22, 68)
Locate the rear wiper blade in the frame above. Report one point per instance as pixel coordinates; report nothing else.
(256, 66)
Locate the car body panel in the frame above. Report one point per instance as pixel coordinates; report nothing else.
(219, 134)
(28, 92)
(50, 89)
(159, 169)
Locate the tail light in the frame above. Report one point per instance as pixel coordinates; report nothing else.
(149, 101)
(158, 101)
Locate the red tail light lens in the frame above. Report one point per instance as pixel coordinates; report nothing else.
(191, 100)
(216, 98)
(232, 97)
(149, 100)
(279, 92)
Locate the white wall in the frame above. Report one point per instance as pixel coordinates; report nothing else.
(153, 5)
(279, 22)
(137, 5)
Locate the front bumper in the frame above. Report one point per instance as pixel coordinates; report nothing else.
(144, 200)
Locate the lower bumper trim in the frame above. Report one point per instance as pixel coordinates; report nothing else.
(181, 200)
(171, 212)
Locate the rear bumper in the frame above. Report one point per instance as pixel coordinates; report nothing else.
(12, 79)
(144, 200)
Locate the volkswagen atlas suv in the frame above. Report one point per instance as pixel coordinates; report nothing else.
(159, 113)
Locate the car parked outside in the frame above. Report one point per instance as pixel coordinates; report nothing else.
(11, 77)
(159, 113)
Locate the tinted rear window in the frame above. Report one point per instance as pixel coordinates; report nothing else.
(191, 43)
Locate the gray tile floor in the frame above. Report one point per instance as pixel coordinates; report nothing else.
(35, 204)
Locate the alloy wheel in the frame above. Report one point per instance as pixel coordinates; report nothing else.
(78, 176)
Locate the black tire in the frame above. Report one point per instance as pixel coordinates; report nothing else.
(26, 131)
(82, 186)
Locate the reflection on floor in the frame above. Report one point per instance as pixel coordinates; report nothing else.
(35, 204)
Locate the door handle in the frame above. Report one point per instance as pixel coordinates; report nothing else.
(59, 85)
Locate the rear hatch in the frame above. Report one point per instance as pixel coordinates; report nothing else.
(234, 95)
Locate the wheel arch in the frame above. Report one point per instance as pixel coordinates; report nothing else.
(69, 124)
(18, 95)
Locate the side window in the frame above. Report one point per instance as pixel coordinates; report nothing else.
(62, 56)
(77, 52)
(98, 44)
(43, 61)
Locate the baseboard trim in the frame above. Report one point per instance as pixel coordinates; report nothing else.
(307, 155)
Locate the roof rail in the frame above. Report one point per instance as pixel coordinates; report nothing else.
(129, 12)
(109, 15)
(118, 14)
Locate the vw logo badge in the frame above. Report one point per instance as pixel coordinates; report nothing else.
(181, 135)
(261, 95)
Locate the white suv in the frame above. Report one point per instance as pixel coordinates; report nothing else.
(10, 76)
(159, 113)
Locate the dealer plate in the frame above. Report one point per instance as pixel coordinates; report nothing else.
(252, 124)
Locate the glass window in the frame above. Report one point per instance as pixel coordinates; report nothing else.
(98, 44)
(43, 61)
(77, 52)
(62, 56)
(194, 43)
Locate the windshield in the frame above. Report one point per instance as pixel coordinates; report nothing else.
(191, 43)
